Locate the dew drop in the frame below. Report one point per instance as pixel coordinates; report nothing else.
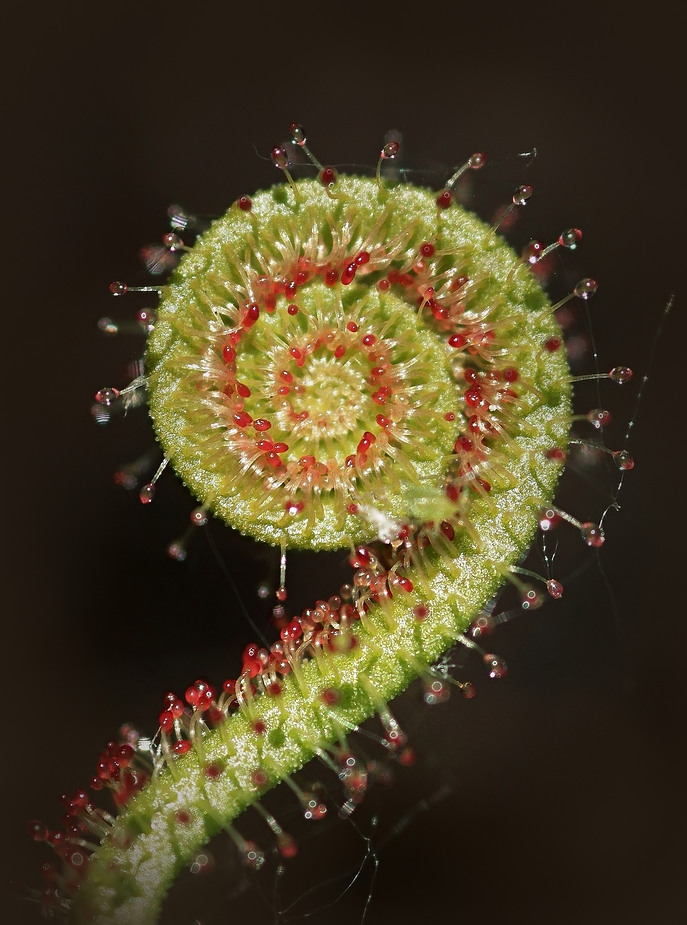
(146, 318)
(280, 158)
(390, 149)
(477, 160)
(202, 863)
(118, 288)
(313, 810)
(482, 626)
(107, 396)
(147, 493)
(522, 194)
(362, 578)
(172, 241)
(532, 252)
(592, 534)
(531, 599)
(599, 418)
(328, 176)
(467, 689)
(570, 238)
(620, 374)
(496, 666)
(199, 517)
(555, 588)
(586, 288)
(177, 551)
(297, 133)
(548, 519)
(623, 460)
(436, 691)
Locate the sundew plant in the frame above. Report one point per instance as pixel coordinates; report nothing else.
(343, 361)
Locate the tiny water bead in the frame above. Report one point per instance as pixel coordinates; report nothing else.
(592, 534)
(522, 195)
(586, 288)
(107, 396)
(620, 374)
(598, 418)
(496, 666)
(623, 460)
(570, 238)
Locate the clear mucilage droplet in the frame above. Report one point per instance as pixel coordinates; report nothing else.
(531, 599)
(436, 690)
(199, 517)
(107, 396)
(177, 551)
(483, 625)
(522, 194)
(623, 460)
(586, 288)
(147, 493)
(570, 238)
(620, 374)
(548, 519)
(496, 666)
(555, 588)
(599, 418)
(592, 534)
(252, 855)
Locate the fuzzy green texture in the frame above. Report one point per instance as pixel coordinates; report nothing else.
(133, 869)
(205, 300)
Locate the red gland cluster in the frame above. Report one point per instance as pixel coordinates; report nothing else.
(119, 770)
(486, 399)
(275, 424)
(329, 625)
(285, 283)
(421, 282)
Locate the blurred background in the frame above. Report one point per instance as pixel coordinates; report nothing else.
(556, 795)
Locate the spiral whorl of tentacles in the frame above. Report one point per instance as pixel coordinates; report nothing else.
(337, 362)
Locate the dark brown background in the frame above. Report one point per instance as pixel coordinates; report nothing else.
(567, 798)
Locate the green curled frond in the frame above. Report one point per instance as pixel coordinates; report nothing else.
(354, 366)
